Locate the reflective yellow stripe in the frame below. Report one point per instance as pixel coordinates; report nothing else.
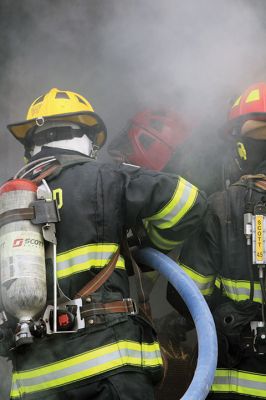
(86, 365)
(86, 257)
(218, 282)
(254, 95)
(183, 199)
(89, 248)
(236, 103)
(241, 382)
(240, 290)
(158, 240)
(204, 283)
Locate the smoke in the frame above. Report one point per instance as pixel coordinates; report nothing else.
(191, 56)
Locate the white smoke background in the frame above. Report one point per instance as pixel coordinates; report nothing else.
(192, 56)
(124, 55)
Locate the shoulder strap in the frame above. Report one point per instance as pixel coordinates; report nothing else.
(259, 181)
(144, 304)
(99, 279)
(62, 162)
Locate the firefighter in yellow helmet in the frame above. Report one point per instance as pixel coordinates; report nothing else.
(230, 246)
(59, 108)
(115, 353)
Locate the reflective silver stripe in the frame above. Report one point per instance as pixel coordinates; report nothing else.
(86, 257)
(239, 382)
(242, 382)
(86, 365)
(172, 216)
(240, 290)
(204, 283)
(102, 257)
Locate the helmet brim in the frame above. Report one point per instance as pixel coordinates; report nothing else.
(234, 125)
(86, 118)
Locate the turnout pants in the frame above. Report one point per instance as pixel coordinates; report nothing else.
(122, 386)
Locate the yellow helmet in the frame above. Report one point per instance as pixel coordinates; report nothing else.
(60, 105)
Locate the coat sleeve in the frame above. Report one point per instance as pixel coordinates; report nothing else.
(170, 207)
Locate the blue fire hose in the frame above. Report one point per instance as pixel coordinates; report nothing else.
(202, 317)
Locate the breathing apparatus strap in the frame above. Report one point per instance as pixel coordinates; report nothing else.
(18, 214)
(49, 167)
(99, 279)
(143, 300)
(258, 181)
(40, 212)
(46, 173)
(63, 162)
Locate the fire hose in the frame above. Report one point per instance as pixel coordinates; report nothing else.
(201, 315)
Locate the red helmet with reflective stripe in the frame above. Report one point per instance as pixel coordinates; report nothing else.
(150, 140)
(251, 105)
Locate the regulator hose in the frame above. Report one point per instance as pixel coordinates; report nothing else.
(202, 317)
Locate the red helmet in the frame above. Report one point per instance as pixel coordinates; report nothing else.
(150, 140)
(250, 106)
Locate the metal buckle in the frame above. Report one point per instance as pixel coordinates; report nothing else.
(131, 303)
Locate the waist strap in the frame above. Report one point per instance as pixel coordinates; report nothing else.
(90, 311)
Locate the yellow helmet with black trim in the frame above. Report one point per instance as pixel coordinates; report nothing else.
(60, 105)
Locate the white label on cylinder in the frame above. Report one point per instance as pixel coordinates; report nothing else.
(22, 255)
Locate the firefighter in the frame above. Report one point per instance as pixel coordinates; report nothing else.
(230, 245)
(153, 139)
(161, 140)
(116, 355)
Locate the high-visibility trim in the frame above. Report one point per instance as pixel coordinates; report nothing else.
(86, 365)
(254, 95)
(182, 200)
(240, 290)
(158, 240)
(218, 282)
(204, 283)
(236, 103)
(240, 382)
(86, 257)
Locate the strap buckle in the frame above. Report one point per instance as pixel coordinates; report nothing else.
(132, 306)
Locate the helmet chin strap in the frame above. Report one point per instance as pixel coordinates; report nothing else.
(81, 144)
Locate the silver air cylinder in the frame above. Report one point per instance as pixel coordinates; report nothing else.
(22, 257)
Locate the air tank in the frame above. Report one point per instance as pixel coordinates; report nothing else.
(22, 256)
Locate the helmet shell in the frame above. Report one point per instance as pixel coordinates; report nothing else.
(60, 105)
(250, 105)
(150, 139)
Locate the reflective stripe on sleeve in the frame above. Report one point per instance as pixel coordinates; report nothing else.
(240, 382)
(240, 290)
(181, 202)
(158, 240)
(86, 365)
(204, 283)
(86, 257)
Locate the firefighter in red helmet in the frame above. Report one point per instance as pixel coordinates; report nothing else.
(150, 140)
(160, 140)
(113, 353)
(230, 246)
